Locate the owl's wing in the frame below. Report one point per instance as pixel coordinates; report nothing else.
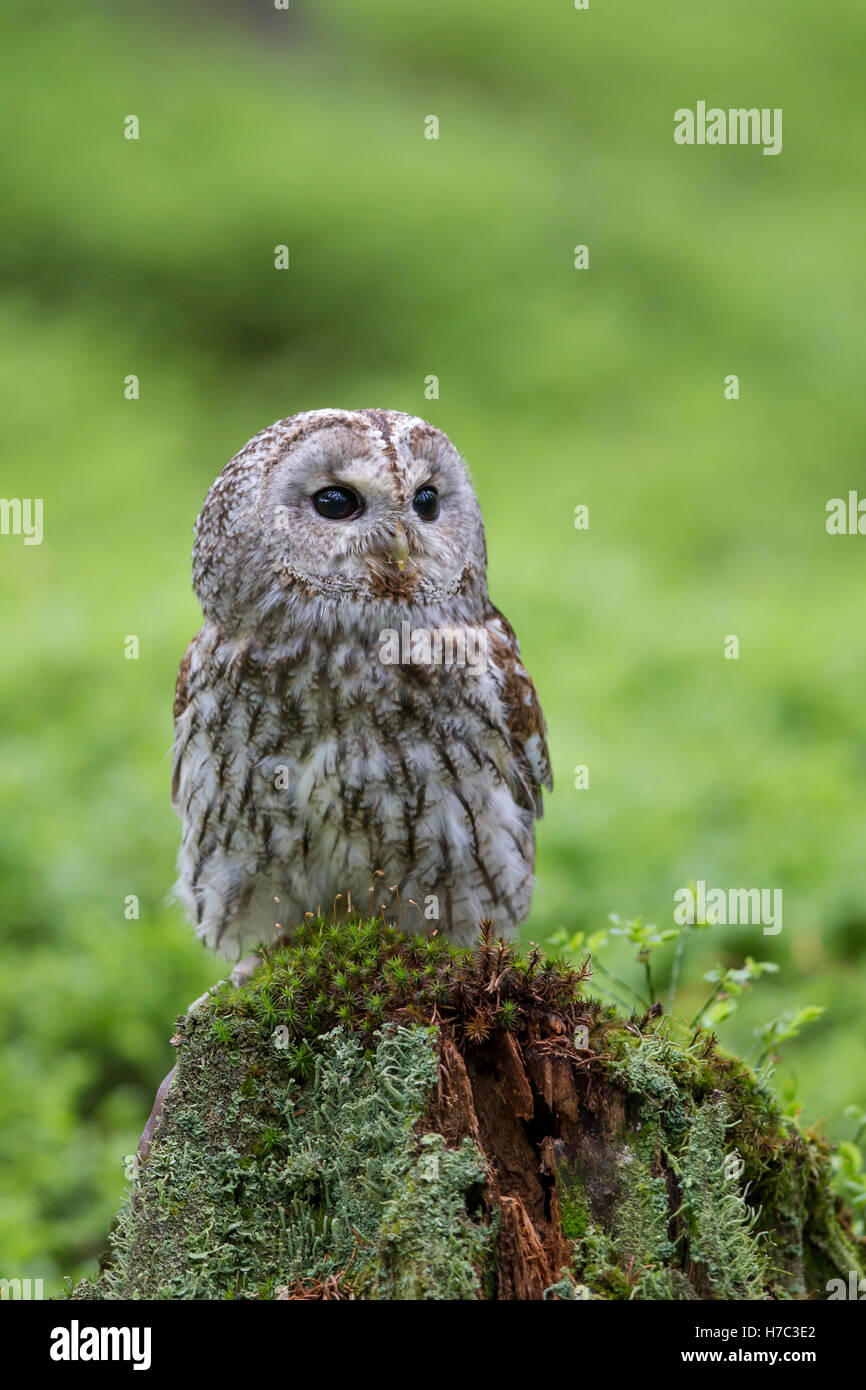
(527, 730)
(181, 685)
(182, 694)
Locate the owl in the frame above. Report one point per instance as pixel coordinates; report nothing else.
(353, 723)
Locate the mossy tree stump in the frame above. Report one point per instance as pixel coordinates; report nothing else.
(378, 1117)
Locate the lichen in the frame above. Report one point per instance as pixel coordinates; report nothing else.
(317, 1179)
(650, 1070)
(432, 1241)
(719, 1223)
(712, 1194)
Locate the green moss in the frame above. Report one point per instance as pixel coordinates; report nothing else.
(574, 1209)
(357, 973)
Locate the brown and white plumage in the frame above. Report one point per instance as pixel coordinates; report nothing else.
(302, 762)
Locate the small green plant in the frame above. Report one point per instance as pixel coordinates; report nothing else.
(398, 972)
(302, 1061)
(701, 923)
(780, 1029)
(849, 1171)
(509, 1013)
(575, 945)
(727, 985)
(647, 937)
(222, 1031)
(853, 1112)
(789, 1095)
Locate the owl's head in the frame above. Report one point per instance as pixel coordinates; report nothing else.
(344, 508)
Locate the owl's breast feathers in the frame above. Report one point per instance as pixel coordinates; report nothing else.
(302, 766)
(521, 723)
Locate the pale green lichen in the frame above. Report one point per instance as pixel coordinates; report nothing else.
(712, 1194)
(336, 1183)
(428, 1244)
(720, 1224)
(649, 1070)
(628, 1254)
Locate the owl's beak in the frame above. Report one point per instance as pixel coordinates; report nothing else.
(400, 549)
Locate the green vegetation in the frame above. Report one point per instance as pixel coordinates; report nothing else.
(602, 387)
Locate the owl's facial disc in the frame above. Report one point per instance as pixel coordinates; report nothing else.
(350, 512)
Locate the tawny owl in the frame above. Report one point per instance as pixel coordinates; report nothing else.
(354, 707)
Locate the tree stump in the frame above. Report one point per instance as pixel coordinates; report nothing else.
(378, 1117)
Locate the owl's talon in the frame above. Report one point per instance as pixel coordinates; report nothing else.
(146, 1140)
(244, 969)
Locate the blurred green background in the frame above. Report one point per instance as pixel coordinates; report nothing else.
(412, 257)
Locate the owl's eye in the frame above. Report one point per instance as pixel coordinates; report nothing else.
(337, 503)
(426, 503)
